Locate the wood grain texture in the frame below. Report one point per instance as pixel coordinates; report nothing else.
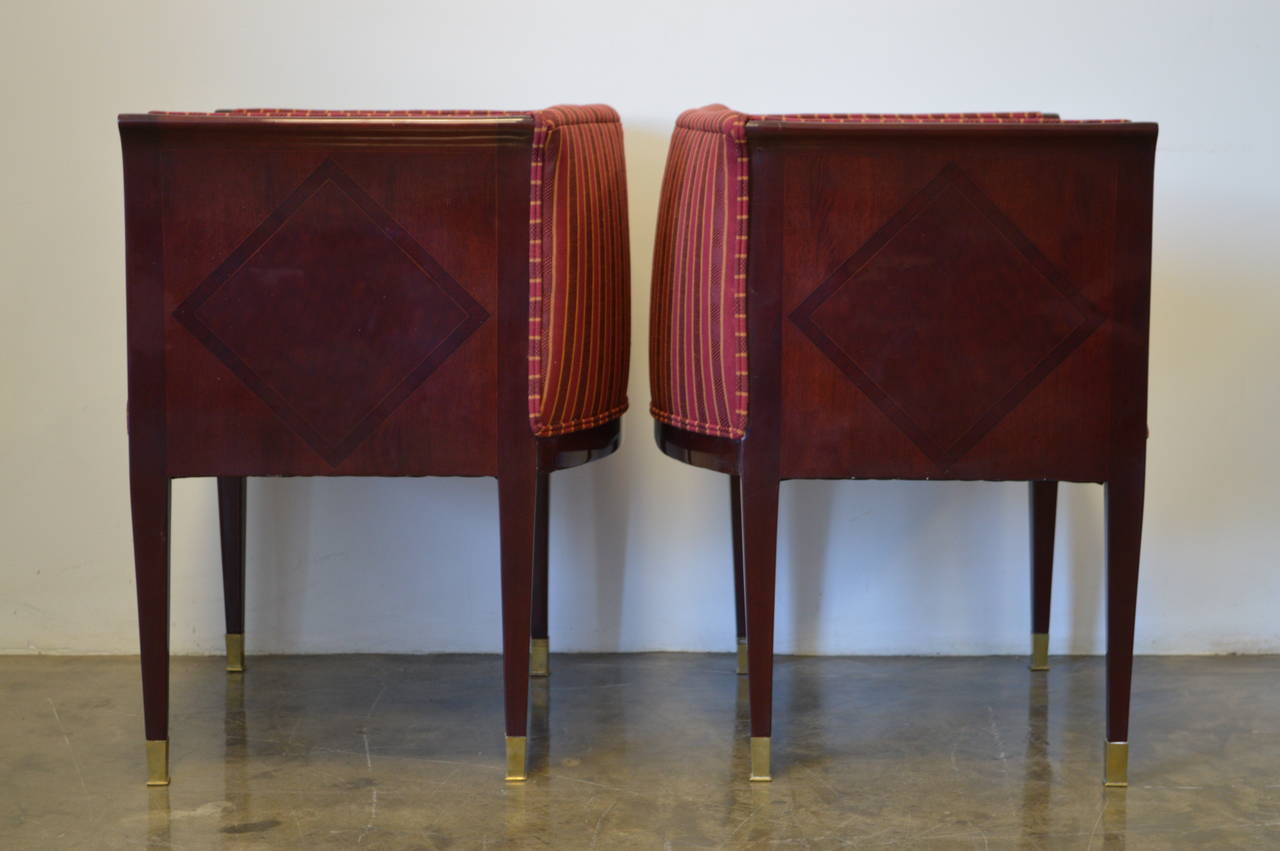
(947, 317)
(1044, 511)
(391, 370)
(541, 541)
(385, 363)
(967, 291)
(330, 313)
(517, 447)
(232, 495)
(1016, 231)
(1126, 484)
(761, 457)
(149, 485)
(735, 529)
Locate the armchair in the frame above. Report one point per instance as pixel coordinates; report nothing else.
(370, 293)
(958, 296)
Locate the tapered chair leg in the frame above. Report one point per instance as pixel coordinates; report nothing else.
(739, 603)
(760, 547)
(1044, 509)
(517, 507)
(231, 514)
(150, 503)
(539, 644)
(1124, 499)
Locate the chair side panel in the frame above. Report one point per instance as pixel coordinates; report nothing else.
(329, 301)
(949, 306)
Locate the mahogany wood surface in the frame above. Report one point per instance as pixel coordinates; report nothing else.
(929, 335)
(231, 518)
(1126, 484)
(273, 235)
(149, 483)
(1024, 222)
(541, 530)
(761, 472)
(1044, 510)
(517, 447)
(735, 529)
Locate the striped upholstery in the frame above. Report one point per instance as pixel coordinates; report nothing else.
(698, 335)
(579, 257)
(579, 271)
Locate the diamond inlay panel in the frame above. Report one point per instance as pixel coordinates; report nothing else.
(331, 313)
(948, 268)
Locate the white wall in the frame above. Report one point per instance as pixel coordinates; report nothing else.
(640, 542)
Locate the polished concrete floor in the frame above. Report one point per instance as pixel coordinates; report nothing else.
(639, 751)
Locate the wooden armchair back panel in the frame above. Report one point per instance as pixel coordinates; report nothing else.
(275, 362)
(952, 306)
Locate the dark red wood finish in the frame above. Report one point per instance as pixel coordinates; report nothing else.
(946, 302)
(760, 462)
(330, 297)
(148, 474)
(739, 590)
(1125, 486)
(251, 210)
(517, 447)
(1044, 511)
(231, 517)
(541, 530)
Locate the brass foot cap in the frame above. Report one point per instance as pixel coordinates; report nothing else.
(742, 655)
(515, 758)
(235, 652)
(157, 762)
(1117, 765)
(540, 657)
(1039, 651)
(760, 759)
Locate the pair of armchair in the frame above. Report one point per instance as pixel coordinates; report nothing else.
(447, 293)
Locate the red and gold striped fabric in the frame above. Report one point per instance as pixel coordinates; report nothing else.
(698, 335)
(579, 257)
(579, 271)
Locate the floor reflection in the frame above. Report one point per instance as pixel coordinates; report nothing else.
(159, 832)
(645, 750)
(235, 750)
(1115, 817)
(1037, 771)
(539, 744)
